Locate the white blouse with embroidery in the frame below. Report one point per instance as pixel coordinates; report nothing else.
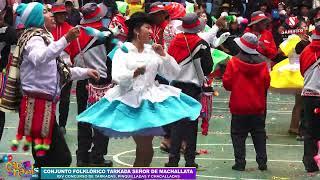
(132, 91)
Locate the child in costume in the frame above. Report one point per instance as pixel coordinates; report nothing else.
(247, 76)
(137, 106)
(42, 73)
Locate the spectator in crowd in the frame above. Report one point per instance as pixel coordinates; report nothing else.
(73, 14)
(304, 9)
(314, 14)
(277, 34)
(225, 7)
(264, 6)
(115, 21)
(175, 11)
(258, 25)
(8, 38)
(236, 6)
(229, 46)
(200, 9)
(160, 17)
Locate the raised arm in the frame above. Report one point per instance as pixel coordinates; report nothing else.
(38, 52)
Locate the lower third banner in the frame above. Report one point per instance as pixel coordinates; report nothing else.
(117, 173)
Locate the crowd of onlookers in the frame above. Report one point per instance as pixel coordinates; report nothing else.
(285, 15)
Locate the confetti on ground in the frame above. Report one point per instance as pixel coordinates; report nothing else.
(203, 151)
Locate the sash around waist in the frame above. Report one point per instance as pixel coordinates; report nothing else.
(39, 95)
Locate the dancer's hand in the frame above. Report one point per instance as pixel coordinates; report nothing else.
(72, 34)
(158, 49)
(139, 71)
(94, 74)
(221, 22)
(261, 44)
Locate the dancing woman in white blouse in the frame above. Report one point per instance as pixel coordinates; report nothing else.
(138, 106)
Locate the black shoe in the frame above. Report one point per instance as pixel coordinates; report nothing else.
(263, 167)
(106, 163)
(164, 148)
(192, 165)
(63, 130)
(169, 164)
(82, 164)
(312, 170)
(238, 167)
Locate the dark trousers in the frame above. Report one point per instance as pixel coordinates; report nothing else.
(64, 104)
(184, 130)
(2, 122)
(58, 155)
(241, 125)
(82, 95)
(311, 125)
(88, 135)
(167, 130)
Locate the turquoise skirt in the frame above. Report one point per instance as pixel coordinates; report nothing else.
(116, 119)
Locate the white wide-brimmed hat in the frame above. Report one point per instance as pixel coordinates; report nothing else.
(248, 43)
